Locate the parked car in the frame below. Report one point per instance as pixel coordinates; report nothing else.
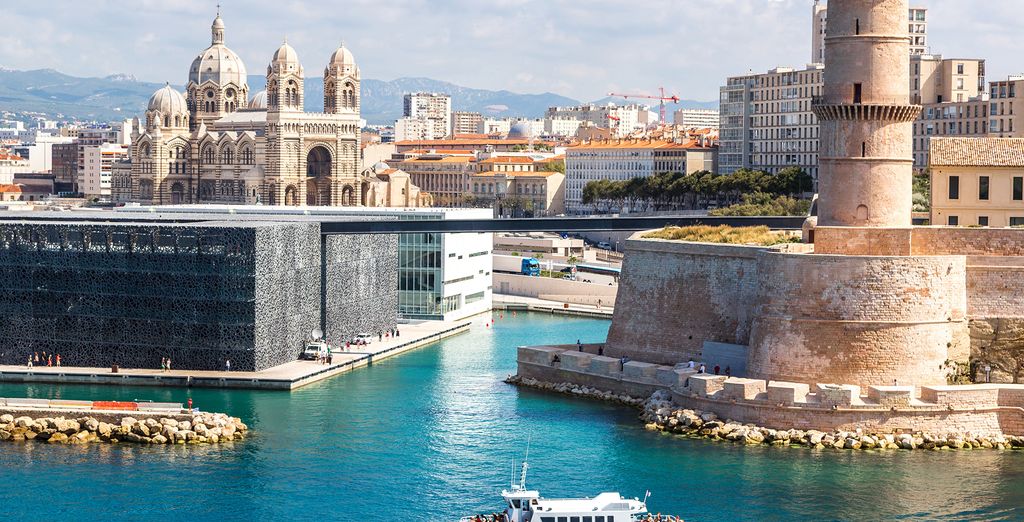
(314, 349)
(604, 245)
(363, 338)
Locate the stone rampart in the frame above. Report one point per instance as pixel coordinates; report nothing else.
(858, 320)
(673, 296)
(989, 409)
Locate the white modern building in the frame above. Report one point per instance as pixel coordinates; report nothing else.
(434, 107)
(440, 276)
(623, 120)
(415, 129)
(11, 164)
(566, 127)
(696, 118)
(38, 150)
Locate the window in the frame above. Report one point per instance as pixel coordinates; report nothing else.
(983, 221)
(954, 187)
(1018, 188)
(953, 221)
(983, 183)
(857, 92)
(1017, 222)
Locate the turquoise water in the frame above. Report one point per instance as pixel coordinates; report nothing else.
(430, 436)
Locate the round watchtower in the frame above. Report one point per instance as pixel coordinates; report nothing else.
(866, 116)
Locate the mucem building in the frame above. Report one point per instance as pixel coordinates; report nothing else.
(131, 290)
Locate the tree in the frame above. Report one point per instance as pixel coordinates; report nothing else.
(573, 260)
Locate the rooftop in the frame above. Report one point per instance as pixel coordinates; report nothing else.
(977, 152)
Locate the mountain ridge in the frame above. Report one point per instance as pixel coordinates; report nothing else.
(122, 95)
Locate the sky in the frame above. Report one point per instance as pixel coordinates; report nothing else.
(581, 49)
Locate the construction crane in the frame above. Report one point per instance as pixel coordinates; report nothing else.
(662, 99)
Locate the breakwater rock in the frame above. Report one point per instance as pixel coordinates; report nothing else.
(660, 413)
(200, 428)
(576, 390)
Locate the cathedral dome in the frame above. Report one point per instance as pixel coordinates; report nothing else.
(285, 59)
(218, 63)
(168, 102)
(520, 130)
(259, 101)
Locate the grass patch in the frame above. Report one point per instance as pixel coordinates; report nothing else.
(758, 236)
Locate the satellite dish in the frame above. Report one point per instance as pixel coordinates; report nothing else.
(316, 333)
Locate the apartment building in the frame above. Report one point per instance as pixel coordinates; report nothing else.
(98, 170)
(952, 93)
(1002, 114)
(917, 28)
(519, 184)
(622, 120)
(443, 174)
(977, 181)
(696, 118)
(767, 123)
(619, 160)
(465, 122)
(436, 108)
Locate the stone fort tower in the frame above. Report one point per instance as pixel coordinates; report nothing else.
(866, 159)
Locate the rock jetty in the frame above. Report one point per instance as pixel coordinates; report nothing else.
(659, 413)
(201, 428)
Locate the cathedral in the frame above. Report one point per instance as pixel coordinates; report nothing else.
(216, 144)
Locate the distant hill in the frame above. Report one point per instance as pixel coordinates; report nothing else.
(123, 96)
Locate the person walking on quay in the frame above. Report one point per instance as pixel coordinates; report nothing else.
(168, 364)
(36, 356)
(690, 364)
(30, 362)
(58, 360)
(49, 361)
(702, 369)
(579, 346)
(718, 369)
(728, 371)
(163, 364)
(227, 365)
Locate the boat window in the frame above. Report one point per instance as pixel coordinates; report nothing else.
(563, 519)
(547, 519)
(588, 519)
(598, 519)
(515, 503)
(574, 519)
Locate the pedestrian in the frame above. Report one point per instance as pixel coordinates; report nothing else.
(190, 403)
(380, 336)
(58, 360)
(37, 356)
(163, 364)
(600, 350)
(579, 345)
(702, 369)
(168, 364)
(718, 369)
(397, 333)
(49, 361)
(690, 364)
(728, 371)
(227, 365)
(30, 363)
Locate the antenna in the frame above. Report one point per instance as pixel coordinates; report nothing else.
(526, 465)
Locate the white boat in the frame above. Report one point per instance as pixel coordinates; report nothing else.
(524, 505)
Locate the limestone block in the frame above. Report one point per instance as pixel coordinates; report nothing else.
(838, 394)
(683, 375)
(578, 361)
(891, 395)
(788, 392)
(743, 389)
(608, 366)
(962, 397)
(704, 384)
(667, 375)
(544, 355)
(640, 371)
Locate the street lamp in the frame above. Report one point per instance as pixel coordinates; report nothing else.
(988, 373)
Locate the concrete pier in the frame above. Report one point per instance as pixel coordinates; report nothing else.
(289, 376)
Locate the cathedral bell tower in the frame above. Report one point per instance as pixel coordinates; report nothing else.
(285, 80)
(341, 83)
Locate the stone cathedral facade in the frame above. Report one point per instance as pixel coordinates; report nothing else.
(216, 144)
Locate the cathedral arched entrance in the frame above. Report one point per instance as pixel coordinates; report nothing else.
(177, 194)
(318, 176)
(291, 197)
(348, 196)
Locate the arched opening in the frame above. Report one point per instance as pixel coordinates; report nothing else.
(348, 196)
(272, 195)
(177, 194)
(318, 177)
(291, 197)
(862, 213)
(146, 189)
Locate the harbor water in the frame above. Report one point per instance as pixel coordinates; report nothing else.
(430, 436)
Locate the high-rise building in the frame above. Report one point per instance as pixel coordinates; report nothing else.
(622, 120)
(97, 174)
(917, 28)
(1002, 115)
(434, 107)
(415, 129)
(465, 122)
(65, 167)
(767, 122)
(952, 92)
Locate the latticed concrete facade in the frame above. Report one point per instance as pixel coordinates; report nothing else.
(200, 293)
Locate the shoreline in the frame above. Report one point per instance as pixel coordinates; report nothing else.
(28, 425)
(660, 413)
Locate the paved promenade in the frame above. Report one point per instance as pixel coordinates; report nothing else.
(284, 377)
(512, 302)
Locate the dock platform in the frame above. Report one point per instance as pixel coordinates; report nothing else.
(290, 376)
